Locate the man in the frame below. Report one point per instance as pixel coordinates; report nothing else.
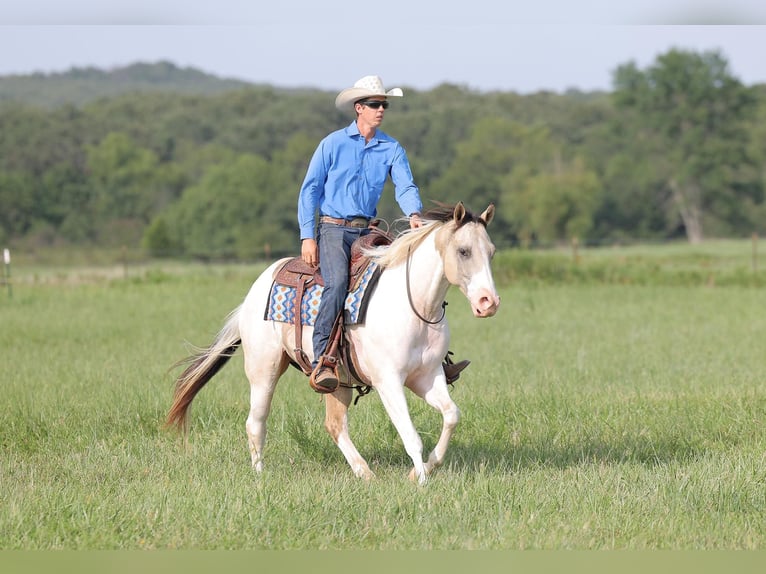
(343, 184)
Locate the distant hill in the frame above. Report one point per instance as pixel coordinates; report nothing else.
(79, 86)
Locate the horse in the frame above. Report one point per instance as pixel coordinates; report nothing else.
(401, 343)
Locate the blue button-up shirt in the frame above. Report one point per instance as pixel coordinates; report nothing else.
(345, 178)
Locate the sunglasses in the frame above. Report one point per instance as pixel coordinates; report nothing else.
(375, 104)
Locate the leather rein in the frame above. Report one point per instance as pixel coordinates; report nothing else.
(409, 295)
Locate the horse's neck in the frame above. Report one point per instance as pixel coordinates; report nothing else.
(427, 282)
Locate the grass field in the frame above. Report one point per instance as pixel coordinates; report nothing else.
(597, 414)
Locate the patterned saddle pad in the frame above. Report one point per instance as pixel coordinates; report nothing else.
(282, 306)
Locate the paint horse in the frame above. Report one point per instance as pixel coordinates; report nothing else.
(401, 343)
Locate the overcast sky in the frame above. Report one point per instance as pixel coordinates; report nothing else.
(508, 45)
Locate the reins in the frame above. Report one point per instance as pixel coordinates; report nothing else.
(409, 294)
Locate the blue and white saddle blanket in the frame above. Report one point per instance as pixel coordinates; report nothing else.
(281, 306)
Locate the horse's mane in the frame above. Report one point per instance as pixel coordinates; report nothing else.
(432, 220)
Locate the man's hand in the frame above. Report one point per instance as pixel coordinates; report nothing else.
(415, 220)
(310, 252)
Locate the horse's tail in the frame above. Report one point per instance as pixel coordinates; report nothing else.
(202, 366)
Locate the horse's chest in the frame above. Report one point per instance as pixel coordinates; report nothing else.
(422, 349)
(434, 346)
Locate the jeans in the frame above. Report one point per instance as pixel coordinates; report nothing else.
(334, 255)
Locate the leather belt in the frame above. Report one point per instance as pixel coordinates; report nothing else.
(358, 222)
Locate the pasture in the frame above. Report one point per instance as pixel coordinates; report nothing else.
(595, 415)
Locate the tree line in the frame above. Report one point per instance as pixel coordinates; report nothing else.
(676, 149)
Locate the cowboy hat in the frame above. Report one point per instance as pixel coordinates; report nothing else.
(364, 88)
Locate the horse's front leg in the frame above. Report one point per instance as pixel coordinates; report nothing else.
(434, 391)
(391, 391)
(336, 423)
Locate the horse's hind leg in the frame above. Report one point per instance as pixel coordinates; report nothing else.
(336, 423)
(437, 395)
(263, 376)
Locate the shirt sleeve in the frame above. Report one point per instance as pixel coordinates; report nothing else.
(406, 192)
(312, 192)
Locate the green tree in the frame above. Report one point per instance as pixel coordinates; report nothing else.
(631, 204)
(17, 193)
(692, 112)
(123, 175)
(481, 163)
(237, 210)
(158, 239)
(757, 150)
(129, 187)
(555, 203)
(538, 190)
(64, 200)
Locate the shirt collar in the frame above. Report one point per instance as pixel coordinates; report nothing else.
(353, 131)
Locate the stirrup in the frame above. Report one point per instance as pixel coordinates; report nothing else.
(324, 377)
(451, 369)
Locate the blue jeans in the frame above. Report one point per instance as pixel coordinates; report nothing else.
(334, 255)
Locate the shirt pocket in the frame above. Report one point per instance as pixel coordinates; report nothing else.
(376, 170)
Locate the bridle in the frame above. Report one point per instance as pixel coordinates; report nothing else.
(409, 294)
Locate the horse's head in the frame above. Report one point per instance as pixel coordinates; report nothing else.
(467, 253)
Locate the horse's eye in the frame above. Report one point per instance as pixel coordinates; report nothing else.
(464, 252)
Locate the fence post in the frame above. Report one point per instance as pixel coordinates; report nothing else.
(575, 256)
(7, 271)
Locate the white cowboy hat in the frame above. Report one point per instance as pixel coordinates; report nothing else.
(364, 88)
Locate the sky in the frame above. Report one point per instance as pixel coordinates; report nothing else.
(507, 45)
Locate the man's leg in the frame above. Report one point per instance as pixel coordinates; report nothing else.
(334, 250)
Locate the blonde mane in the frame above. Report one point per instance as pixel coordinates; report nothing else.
(407, 241)
(433, 220)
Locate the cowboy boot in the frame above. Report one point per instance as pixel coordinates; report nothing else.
(324, 377)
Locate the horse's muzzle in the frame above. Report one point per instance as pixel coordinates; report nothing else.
(486, 305)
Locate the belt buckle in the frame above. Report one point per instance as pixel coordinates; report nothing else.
(360, 222)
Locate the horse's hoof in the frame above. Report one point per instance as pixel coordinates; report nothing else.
(365, 474)
(420, 480)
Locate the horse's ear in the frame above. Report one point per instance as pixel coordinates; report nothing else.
(459, 213)
(488, 214)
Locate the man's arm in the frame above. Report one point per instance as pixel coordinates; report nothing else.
(310, 252)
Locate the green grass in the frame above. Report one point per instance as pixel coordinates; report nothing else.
(719, 262)
(596, 415)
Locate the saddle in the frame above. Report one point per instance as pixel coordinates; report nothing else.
(300, 275)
